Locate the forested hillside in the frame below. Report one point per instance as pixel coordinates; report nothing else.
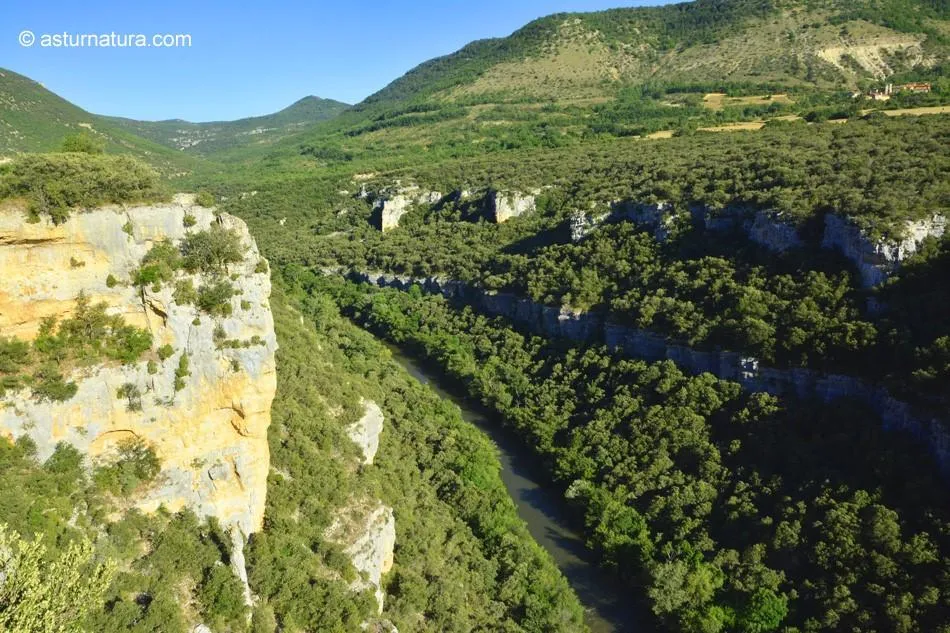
(718, 177)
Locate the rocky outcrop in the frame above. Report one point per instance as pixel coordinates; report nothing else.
(211, 434)
(368, 536)
(504, 205)
(586, 327)
(878, 259)
(365, 432)
(771, 229)
(395, 202)
(582, 223)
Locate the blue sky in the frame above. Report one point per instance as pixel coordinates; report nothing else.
(247, 59)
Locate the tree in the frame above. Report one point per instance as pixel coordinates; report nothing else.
(39, 595)
(83, 142)
(212, 250)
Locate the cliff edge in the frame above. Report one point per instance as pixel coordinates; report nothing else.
(199, 397)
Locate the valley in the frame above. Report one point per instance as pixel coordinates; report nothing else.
(630, 320)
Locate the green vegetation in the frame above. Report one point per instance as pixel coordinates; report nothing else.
(738, 511)
(463, 557)
(134, 465)
(49, 596)
(158, 266)
(211, 251)
(83, 142)
(215, 298)
(182, 371)
(55, 185)
(205, 199)
(89, 337)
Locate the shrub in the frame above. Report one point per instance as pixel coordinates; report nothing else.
(83, 142)
(215, 298)
(56, 183)
(182, 372)
(49, 384)
(45, 591)
(111, 281)
(158, 265)
(152, 367)
(135, 465)
(132, 394)
(189, 221)
(211, 250)
(204, 198)
(185, 293)
(165, 352)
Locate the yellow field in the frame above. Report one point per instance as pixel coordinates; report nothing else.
(719, 100)
(914, 111)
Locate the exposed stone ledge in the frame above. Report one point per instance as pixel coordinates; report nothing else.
(365, 432)
(369, 539)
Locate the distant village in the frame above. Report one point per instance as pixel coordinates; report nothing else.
(885, 93)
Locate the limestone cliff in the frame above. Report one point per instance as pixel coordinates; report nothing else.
(394, 202)
(209, 433)
(504, 205)
(369, 538)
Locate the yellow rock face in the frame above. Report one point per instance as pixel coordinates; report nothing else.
(210, 436)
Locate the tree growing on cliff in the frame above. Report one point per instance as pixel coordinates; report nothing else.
(211, 251)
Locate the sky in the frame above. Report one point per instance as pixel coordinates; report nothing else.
(245, 59)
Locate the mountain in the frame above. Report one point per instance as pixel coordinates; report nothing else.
(207, 138)
(828, 44)
(33, 119)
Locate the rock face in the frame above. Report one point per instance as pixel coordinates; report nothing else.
(878, 259)
(211, 435)
(504, 205)
(369, 539)
(771, 230)
(365, 431)
(391, 210)
(637, 343)
(394, 203)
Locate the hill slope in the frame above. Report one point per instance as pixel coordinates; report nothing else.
(825, 44)
(206, 138)
(33, 119)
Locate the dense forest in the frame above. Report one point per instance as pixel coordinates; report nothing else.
(735, 511)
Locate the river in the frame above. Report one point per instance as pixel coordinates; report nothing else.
(608, 606)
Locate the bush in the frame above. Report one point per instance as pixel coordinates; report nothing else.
(49, 384)
(185, 293)
(204, 199)
(111, 281)
(158, 265)
(54, 184)
(135, 465)
(182, 372)
(83, 142)
(133, 394)
(165, 352)
(215, 298)
(211, 250)
(46, 591)
(189, 221)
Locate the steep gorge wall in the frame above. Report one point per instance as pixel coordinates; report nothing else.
(211, 435)
(643, 344)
